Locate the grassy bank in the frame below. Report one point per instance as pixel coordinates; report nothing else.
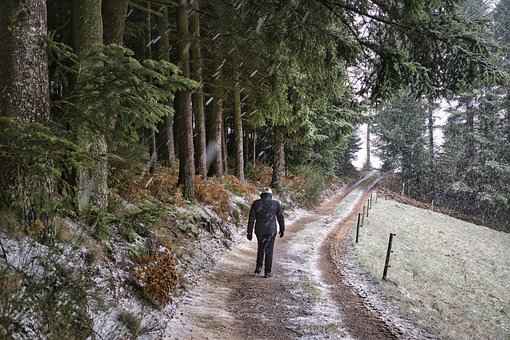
(451, 276)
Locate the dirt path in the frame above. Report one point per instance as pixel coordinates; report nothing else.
(305, 298)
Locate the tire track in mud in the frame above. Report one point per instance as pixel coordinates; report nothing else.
(360, 320)
(302, 300)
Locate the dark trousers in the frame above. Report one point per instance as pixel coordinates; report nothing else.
(265, 252)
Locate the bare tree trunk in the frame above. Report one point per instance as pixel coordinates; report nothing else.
(224, 150)
(164, 30)
(215, 152)
(246, 145)
(254, 147)
(171, 141)
(431, 133)
(90, 32)
(93, 182)
(24, 91)
(24, 96)
(198, 96)
(165, 135)
(184, 113)
(115, 13)
(278, 157)
(238, 126)
(368, 162)
(75, 18)
(153, 149)
(165, 141)
(430, 127)
(148, 31)
(470, 125)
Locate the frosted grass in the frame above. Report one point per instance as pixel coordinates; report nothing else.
(451, 276)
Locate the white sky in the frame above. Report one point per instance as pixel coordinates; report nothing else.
(361, 157)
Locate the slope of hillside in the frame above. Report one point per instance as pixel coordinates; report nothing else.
(121, 273)
(450, 276)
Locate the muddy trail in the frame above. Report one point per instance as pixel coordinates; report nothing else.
(305, 298)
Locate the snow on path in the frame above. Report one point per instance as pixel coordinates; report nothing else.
(295, 304)
(303, 260)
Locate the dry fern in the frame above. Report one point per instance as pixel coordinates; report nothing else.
(233, 184)
(156, 275)
(213, 192)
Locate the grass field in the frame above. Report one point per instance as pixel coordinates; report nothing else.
(450, 276)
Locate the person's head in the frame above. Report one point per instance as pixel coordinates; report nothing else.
(266, 192)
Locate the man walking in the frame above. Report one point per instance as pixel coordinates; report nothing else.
(263, 214)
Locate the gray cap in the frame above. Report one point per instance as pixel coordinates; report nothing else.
(266, 190)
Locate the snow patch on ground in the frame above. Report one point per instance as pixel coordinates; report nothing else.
(202, 252)
(111, 276)
(207, 300)
(451, 276)
(303, 260)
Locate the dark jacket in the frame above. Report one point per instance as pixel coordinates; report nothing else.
(263, 214)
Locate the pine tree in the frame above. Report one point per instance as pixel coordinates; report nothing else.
(184, 114)
(24, 72)
(93, 181)
(165, 135)
(115, 12)
(216, 132)
(198, 95)
(401, 126)
(24, 101)
(238, 123)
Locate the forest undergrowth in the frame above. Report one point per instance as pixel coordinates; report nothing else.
(121, 269)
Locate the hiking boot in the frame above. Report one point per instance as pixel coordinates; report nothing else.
(268, 275)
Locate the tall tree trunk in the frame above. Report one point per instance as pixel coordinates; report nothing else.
(198, 96)
(254, 148)
(75, 18)
(238, 126)
(115, 13)
(470, 126)
(24, 91)
(430, 127)
(148, 31)
(367, 164)
(165, 135)
(93, 182)
(184, 112)
(278, 157)
(90, 28)
(153, 149)
(215, 154)
(224, 150)
(24, 94)
(165, 141)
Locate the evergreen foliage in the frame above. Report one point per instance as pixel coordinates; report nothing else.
(117, 95)
(471, 172)
(294, 77)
